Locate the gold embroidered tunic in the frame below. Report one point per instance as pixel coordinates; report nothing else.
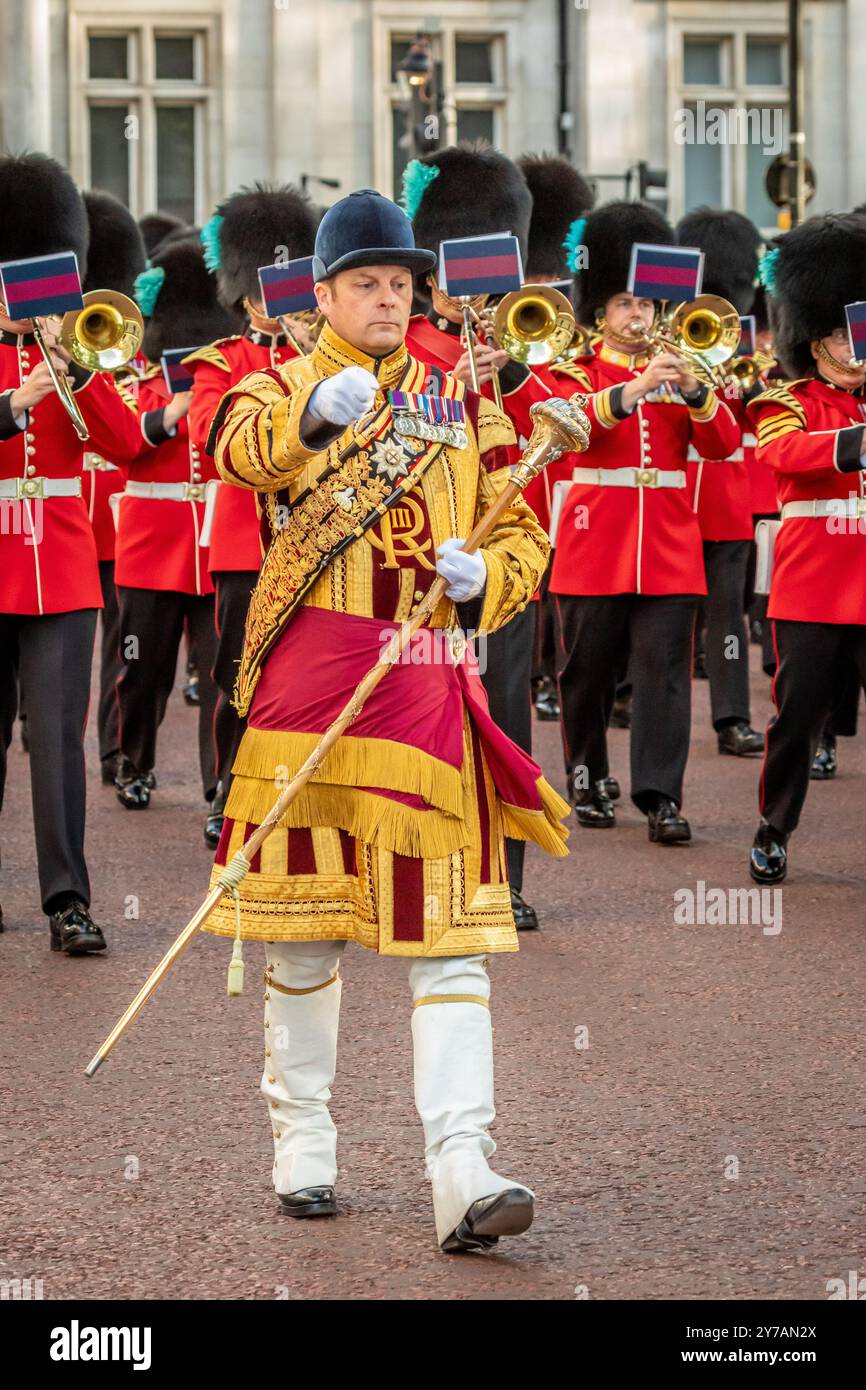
(397, 842)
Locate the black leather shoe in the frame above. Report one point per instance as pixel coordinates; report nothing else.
(213, 826)
(309, 1201)
(525, 917)
(620, 714)
(507, 1213)
(768, 857)
(74, 931)
(594, 810)
(545, 698)
(666, 825)
(190, 690)
(824, 765)
(109, 771)
(740, 740)
(611, 788)
(699, 666)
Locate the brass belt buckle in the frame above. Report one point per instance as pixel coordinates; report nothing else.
(646, 477)
(31, 488)
(194, 492)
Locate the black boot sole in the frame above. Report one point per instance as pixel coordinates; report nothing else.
(509, 1215)
(326, 1208)
(80, 946)
(670, 837)
(768, 882)
(594, 824)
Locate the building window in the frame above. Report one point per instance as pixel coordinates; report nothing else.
(732, 106)
(470, 81)
(144, 109)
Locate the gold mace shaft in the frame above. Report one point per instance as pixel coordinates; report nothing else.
(558, 426)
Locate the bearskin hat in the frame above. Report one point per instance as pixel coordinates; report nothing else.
(155, 226)
(116, 253)
(249, 230)
(559, 196)
(43, 211)
(730, 245)
(178, 296)
(466, 190)
(817, 268)
(606, 242)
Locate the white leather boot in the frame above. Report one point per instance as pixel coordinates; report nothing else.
(302, 1014)
(453, 1041)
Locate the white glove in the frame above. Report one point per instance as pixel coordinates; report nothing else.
(466, 574)
(344, 398)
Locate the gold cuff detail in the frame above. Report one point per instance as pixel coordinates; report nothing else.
(452, 999)
(311, 989)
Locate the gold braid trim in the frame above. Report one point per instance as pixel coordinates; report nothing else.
(352, 762)
(452, 999)
(271, 983)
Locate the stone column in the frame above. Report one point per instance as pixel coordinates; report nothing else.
(25, 76)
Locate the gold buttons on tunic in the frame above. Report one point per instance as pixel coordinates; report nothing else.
(418, 595)
(31, 469)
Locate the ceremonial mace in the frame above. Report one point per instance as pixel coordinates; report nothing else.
(558, 426)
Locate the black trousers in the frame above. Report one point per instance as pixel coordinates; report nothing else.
(152, 623)
(546, 642)
(507, 680)
(726, 641)
(233, 590)
(52, 656)
(814, 662)
(110, 666)
(653, 633)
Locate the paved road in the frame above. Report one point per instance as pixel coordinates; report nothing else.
(708, 1142)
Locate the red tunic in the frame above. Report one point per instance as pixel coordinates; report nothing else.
(811, 434)
(636, 540)
(158, 538)
(721, 492)
(48, 555)
(100, 481)
(235, 542)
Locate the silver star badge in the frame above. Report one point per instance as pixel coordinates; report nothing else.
(391, 458)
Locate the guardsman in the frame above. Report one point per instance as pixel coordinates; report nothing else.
(156, 226)
(250, 229)
(371, 851)
(560, 197)
(460, 192)
(162, 576)
(115, 256)
(49, 575)
(629, 567)
(721, 494)
(812, 433)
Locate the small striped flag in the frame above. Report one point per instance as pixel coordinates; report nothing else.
(41, 286)
(288, 288)
(747, 336)
(480, 265)
(856, 316)
(665, 272)
(177, 376)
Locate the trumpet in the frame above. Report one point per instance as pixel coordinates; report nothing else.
(704, 331)
(102, 336)
(747, 369)
(535, 325)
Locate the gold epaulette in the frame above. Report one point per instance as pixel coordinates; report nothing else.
(573, 370)
(495, 430)
(782, 395)
(211, 354)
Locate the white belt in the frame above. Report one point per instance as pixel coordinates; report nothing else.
(167, 492)
(40, 487)
(826, 506)
(630, 477)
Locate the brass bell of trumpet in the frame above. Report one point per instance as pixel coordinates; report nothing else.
(747, 369)
(105, 334)
(534, 324)
(705, 331)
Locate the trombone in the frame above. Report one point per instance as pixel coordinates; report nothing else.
(704, 331)
(102, 336)
(748, 369)
(535, 325)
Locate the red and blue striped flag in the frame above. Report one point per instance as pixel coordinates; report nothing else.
(856, 316)
(177, 376)
(665, 272)
(480, 265)
(41, 286)
(288, 288)
(747, 336)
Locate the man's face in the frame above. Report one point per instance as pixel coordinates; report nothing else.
(629, 317)
(838, 346)
(369, 307)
